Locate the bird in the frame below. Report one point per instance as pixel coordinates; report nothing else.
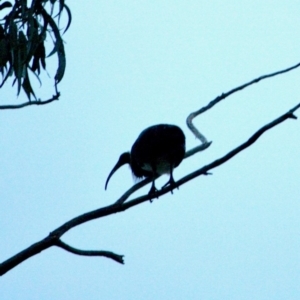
(157, 150)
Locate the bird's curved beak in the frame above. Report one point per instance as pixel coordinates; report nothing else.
(124, 159)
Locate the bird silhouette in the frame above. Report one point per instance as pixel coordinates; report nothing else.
(158, 150)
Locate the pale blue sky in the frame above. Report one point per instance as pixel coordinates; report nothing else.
(132, 64)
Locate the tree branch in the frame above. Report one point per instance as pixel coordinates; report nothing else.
(249, 142)
(189, 120)
(54, 237)
(116, 257)
(38, 102)
(239, 88)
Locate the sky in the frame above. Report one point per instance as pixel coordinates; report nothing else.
(132, 64)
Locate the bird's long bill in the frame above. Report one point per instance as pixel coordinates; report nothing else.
(124, 159)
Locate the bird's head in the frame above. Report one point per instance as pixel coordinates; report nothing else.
(124, 159)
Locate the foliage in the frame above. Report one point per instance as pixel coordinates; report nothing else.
(23, 34)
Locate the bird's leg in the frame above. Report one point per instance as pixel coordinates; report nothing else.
(153, 189)
(171, 181)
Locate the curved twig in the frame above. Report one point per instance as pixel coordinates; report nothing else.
(116, 257)
(189, 120)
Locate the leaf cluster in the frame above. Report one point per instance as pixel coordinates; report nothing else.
(23, 33)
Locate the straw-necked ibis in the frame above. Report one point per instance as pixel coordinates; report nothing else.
(158, 150)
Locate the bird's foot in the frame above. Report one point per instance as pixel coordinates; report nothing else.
(153, 192)
(172, 184)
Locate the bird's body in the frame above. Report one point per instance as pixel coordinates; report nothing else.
(158, 150)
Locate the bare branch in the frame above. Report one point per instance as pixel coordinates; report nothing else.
(249, 142)
(241, 87)
(25, 254)
(54, 237)
(189, 120)
(116, 257)
(38, 102)
(195, 131)
(197, 149)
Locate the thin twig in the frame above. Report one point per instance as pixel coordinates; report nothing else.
(29, 103)
(189, 120)
(239, 88)
(196, 149)
(116, 257)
